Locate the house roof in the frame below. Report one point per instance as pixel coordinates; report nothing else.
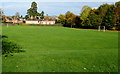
(37, 20)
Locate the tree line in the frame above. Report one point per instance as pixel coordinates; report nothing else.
(105, 15)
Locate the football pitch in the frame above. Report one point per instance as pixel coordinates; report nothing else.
(61, 49)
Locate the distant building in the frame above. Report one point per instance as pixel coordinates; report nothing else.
(47, 20)
(8, 19)
(11, 19)
(39, 22)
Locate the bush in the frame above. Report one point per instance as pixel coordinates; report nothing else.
(9, 46)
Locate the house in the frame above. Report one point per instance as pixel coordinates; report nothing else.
(11, 19)
(20, 20)
(47, 20)
(7, 19)
(39, 22)
(14, 19)
(32, 22)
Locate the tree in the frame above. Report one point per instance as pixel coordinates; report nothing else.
(93, 20)
(106, 15)
(87, 23)
(78, 21)
(9, 46)
(26, 17)
(34, 6)
(108, 19)
(85, 13)
(117, 14)
(32, 12)
(84, 7)
(42, 15)
(48, 18)
(61, 19)
(70, 19)
(102, 11)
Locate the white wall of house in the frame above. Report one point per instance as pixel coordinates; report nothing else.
(47, 22)
(39, 22)
(32, 22)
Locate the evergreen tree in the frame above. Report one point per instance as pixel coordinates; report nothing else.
(32, 12)
(42, 15)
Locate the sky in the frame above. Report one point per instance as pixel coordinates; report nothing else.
(50, 8)
(59, 0)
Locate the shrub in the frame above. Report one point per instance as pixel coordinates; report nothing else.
(9, 46)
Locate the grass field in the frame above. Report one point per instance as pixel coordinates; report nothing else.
(60, 49)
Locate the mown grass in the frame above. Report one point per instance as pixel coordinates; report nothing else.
(59, 49)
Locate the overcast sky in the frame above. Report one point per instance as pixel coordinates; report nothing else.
(50, 7)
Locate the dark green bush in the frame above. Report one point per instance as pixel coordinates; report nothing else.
(9, 46)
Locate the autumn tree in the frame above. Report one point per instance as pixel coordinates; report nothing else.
(70, 19)
(62, 19)
(105, 15)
